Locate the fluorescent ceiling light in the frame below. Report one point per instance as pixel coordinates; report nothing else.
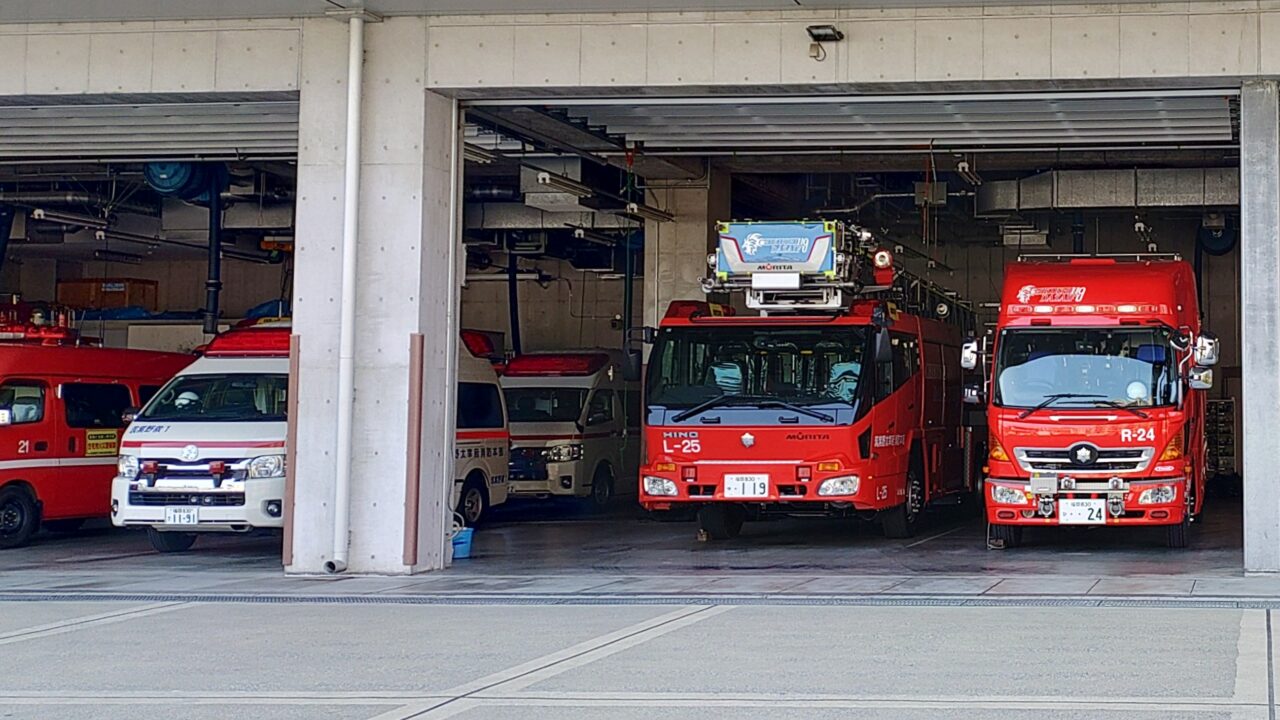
(592, 236)
(67, 218)
(118, 257)
(478, 155)
(563, 184)
(648, 213)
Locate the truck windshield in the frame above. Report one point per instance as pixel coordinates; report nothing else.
(797, 365)
(1086, 367)
(545, 404)
(221, 398)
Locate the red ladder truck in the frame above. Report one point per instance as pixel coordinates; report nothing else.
(834, 400)
(1093, 410)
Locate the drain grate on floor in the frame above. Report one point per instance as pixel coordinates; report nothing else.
(1251, 603)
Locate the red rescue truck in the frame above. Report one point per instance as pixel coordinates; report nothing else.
(1092, 409)
(817, 406)
(63, 406)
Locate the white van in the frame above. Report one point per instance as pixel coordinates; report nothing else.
(574, 425)
(207, 453)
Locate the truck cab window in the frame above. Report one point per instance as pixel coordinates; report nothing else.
(95, 405)
(24, 399)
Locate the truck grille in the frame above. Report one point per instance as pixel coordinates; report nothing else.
(187, 498)
(1109, 460)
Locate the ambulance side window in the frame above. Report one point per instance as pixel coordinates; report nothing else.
(479, 406)
(24, 399)
(146, 392)
(95, 406)
(601, 408)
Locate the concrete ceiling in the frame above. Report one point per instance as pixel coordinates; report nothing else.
(26, 11)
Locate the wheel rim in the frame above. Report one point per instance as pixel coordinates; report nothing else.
(472, 505)
(915, 497)
(12, 517)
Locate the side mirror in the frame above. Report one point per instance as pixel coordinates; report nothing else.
(1201, 378)
(884, 347)
(646, 334)
(969, 354)
(1206, 352)
(973, 394)
(130, 414)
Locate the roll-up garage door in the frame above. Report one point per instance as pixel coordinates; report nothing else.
(130, 127)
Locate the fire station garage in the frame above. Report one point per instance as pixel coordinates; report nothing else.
(420, 189)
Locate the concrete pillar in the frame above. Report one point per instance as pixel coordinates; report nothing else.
(406, 285)
(1260, 303)
(675, 253)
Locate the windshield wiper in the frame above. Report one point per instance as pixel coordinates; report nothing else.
(1051, 399)
(761, 400)
(1121, 406)
(816, 414)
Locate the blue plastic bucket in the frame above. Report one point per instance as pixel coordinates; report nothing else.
(462, 544)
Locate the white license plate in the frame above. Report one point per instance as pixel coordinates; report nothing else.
(746, 486)
(181, 516)
(1082, 512)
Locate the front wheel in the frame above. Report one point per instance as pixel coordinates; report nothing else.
(602, 488)
(170, 542)
(721, 522)
(19, 517)
(901, 522)
(1179, 536)
(1004, 537)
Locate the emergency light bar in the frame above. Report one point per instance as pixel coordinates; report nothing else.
(41, 334)
(251, 342)
(562, 364)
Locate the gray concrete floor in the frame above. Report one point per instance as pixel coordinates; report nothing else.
(145, 661)
(569, 616)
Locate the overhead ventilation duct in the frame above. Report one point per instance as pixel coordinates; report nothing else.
(1094, 189)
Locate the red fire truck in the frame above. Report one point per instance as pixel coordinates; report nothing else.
(818, 406)
(62, 409)
(1092, 406)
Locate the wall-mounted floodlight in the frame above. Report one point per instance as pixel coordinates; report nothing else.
(824, 33)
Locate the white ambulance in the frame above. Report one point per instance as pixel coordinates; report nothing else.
(207, 453)
(574, 425)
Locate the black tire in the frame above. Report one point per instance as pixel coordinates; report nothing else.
(721, 522)
(63, 527)
(1179, 536)
(170, 542)
(473, 502)
(1005, 537)
(602, 488)
(901, 522)
(19, 516)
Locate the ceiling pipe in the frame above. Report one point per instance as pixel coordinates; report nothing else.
(76, 198)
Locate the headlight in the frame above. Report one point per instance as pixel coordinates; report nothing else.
(1158, 495)
(659, 486)
(563, 453)
(842, 485)
(267, 466)
(1008, 495)
(127, 466)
